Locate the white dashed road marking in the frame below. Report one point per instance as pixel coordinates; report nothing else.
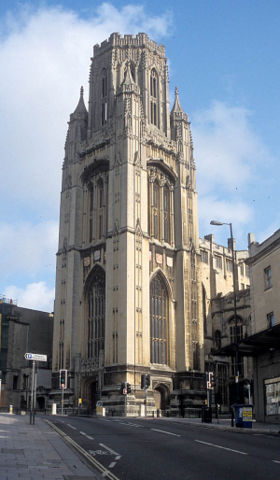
(220, 446)
(164, 431)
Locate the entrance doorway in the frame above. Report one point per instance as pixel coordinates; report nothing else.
(162, 397)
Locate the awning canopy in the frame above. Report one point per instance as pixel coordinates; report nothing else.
(255, 344)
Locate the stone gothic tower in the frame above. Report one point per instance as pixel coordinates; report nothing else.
(127, 285)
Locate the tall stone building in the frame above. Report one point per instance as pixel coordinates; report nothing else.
(128, 290)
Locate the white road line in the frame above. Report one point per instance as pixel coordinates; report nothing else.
(112, 464)
(276, 461)
(110, 449)
(82, 433)
(164, 431)
(220, 446)
(86, 435)
(71, 426)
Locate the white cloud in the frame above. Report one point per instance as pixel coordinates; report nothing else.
(227, 149)
(46, 53)
(211, 208)
(37, 296)
(29, 249)
(228, 155)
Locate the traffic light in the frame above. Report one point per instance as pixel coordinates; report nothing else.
(63, 379)
(145, 381)
(210, 380)
(125, 388)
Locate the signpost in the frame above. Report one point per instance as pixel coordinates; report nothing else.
(35, 357)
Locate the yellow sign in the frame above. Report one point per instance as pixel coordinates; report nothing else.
(247, 414)
(99, 410)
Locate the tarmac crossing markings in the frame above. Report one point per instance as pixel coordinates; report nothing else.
(104, 471)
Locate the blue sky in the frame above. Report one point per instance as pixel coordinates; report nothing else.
(224, 58)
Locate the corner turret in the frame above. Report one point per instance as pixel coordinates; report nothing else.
(77, 130)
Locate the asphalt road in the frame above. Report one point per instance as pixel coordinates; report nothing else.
(146, 449)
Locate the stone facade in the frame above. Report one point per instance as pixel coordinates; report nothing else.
(264, 262)
(128, 291)
(218, 316)
(23, 330)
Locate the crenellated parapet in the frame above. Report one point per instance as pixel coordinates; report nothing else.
(140, 40)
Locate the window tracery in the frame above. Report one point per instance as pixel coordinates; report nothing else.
(160, 206)
(97, 208)
(96, 315)
(154, 95)
(159, 306)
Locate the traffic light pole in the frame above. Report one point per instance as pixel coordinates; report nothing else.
(62, 400)
(145, 402)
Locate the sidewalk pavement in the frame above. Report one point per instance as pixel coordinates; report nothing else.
(37, 452)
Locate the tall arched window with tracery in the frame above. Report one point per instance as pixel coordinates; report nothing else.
(96, 315)
(154, 96)
(166, 214)
(160, 205)
(91, 211)
(156, 210)
(100, 208)
(159, 306)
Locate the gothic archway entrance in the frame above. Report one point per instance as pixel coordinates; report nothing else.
(162, 397)
(90, 394)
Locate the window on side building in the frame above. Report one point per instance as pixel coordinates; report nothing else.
(267, 277)
(270, 319)
(204, 256)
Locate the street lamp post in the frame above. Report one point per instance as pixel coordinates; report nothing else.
(236, 348)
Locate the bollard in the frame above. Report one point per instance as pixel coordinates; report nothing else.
(11, 409)
(54, 409)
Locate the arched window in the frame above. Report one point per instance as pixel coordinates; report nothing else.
(204, 309)
(153, 83)
(236, 330)
(104, 83)
(166, 214)
(91, 214)
(160, 206)
(132, 69)
(218, 339)
(154, 98)
(100, 210)
(96, 315)
(159, 321)
(156, 210)
(104, 94)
